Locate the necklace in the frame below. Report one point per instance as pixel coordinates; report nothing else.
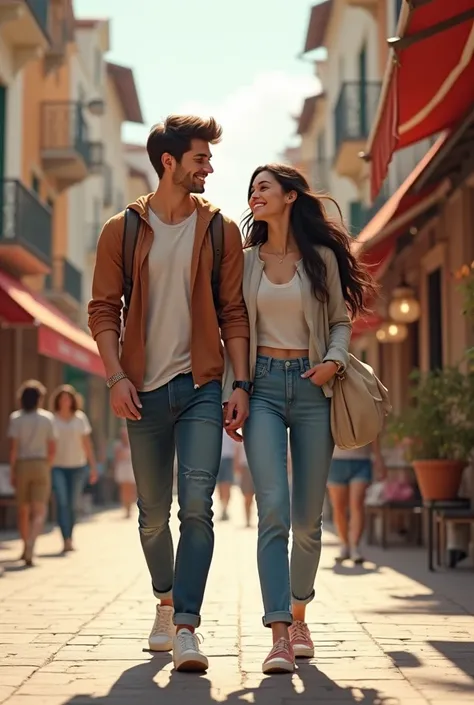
(281, 256)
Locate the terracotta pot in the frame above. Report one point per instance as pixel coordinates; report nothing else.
(439, 479)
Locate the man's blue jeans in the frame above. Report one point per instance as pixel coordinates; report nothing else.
(68, 486)
(178, 418)
(282, 400)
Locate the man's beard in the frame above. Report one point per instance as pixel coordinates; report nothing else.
(190, 184)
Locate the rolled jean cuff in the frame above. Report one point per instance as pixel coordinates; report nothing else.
(303, 600)
(167, 595)
(273, 617)
(192, 620)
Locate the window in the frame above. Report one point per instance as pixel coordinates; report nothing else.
(435, 319)
(397, 9)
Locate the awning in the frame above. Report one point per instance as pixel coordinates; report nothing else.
(429, 79)
(365, 325)
(58, 337)
(376, 243)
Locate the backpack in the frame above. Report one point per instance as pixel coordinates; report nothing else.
(129, 243)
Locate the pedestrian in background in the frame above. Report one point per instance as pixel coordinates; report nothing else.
(242, 472)
(225, 478)
(74, 456)
(32, 446)
(123, 472)
(301, 285)
(350, 475)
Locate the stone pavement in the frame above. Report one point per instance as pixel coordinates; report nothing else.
(73, 630)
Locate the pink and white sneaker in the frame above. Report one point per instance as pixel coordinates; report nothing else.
(301, 641)
(281, 658)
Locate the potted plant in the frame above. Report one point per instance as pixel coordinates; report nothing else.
(438, 430)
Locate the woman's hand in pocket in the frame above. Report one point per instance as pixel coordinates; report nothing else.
(322, 373)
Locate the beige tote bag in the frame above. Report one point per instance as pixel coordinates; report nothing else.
(359, 406)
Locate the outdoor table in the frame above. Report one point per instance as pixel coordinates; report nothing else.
(433, 506)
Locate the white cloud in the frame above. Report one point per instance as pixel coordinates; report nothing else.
(257, 126)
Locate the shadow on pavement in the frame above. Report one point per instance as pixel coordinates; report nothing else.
(309, 685)
(460, 653)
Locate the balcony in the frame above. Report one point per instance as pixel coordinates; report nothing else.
(60, 24)
(25, 230)
(66, 152)
(64, 286)
(24, 27)
(353, 115)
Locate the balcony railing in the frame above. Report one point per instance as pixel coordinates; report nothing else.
(355, 111)
(65, 279)
(25, 220)
(63, 128)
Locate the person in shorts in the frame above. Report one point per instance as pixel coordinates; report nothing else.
(349, 477)
(225, 477)
(32, 446)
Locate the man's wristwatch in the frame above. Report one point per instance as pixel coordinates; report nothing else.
(246, 386)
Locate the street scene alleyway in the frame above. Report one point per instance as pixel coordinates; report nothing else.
(74, 630)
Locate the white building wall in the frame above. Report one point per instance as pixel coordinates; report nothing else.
(356, 28)
(112, 136)
(13, 81)
(86, 197)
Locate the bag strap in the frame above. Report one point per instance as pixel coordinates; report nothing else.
(217, 239)
(129, 244)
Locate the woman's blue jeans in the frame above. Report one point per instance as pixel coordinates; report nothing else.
(282, 401)
(68, 486)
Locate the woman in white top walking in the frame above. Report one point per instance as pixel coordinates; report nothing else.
(74, 453)
(123, 472)
(301, 283)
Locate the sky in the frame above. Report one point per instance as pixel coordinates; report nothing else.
(210, 58)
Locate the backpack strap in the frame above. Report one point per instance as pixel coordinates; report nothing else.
(129, 243)
(217, 239)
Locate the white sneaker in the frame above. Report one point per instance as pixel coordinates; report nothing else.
(161, 636)
(187, 655)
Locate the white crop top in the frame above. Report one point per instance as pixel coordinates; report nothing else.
(280, 319)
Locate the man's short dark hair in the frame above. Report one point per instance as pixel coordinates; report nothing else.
(30, 394)
(174, 135)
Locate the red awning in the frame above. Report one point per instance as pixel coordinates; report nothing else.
(365, 325)
(429, 79)
(376, 243)
(58, 337)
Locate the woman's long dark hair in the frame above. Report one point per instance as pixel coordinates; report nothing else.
(310, 226)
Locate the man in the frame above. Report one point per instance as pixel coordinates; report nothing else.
(167, 379)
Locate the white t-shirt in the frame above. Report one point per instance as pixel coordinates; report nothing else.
(70, 451)
(168, 335)
(32, 430)
(228, 446)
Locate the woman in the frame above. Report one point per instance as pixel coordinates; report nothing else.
(301, 286)
(349, 477)
(73, 453)
(123, 472)
(32, 446)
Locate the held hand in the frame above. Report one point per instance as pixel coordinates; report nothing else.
(124, 400)
(321, 374)
(237, 412)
